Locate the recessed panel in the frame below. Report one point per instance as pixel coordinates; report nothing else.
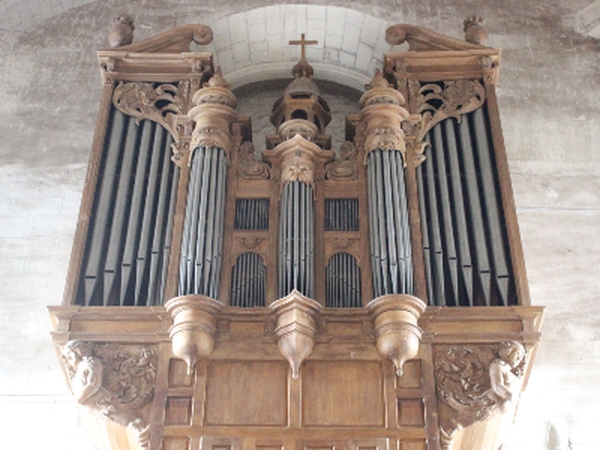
(343, 394)
(247, 393)
(412, 413)
(411, 375)
(178, 411)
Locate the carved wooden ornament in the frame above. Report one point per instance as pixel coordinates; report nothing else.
(194, 327)
(475, 382)
(296, 327)
(114, 380)
(396, 331)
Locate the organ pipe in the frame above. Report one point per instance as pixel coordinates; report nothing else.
(466, 254)
(127, 228)
(202, 242)
(390, 236)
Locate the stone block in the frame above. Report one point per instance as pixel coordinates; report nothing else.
(351, 38)
(363, 57)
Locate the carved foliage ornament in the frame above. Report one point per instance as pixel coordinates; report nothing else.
(114, 380)
(476, 381)
(344, 166)
(250, 164)
(160, 103)
(436, 102)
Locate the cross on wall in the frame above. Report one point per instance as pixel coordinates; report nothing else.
(303, 43)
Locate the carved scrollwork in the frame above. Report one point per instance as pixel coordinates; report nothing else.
(114, 380)
(344, 166)
(250, 243)
(436, 102)
(250, 164)
(476, 381)
(148, 101)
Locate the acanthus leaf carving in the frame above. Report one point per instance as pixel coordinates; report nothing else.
(159, 103)
(476, 381)
(250, 164)
(344, 166)
(435, 102)
(114, 380)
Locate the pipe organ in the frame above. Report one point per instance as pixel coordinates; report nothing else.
(304, 296)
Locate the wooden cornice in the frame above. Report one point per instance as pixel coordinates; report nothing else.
(434, 57)
(163, 58)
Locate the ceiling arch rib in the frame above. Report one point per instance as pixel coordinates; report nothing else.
(253, 45)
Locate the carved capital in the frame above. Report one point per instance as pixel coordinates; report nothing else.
(213, 114)
(296, 327)
(396, 331)
(194, 327)
(474, 382)
(297, 158)
(382, 113)
(114, 380)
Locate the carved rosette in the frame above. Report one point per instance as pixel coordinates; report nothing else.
(475, 382)
(397, 334)
(383, 116)
(194, 327)
(213, 114)
(116, 381)
(296, 329)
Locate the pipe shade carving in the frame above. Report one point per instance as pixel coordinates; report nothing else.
(296, 330)
(396, 331)
(194, 327)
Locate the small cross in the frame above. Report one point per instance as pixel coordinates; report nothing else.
(303, 42)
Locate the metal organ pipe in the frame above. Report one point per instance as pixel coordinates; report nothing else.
(390, 235)
(464, 242)
(296, 231)
(203, 225)
(127, 224)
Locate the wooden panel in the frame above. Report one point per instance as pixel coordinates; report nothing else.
(343, 394)
(178, 376)
(336, 328)
(412, 413)
(247, 393)
(178, 411)
(412, 377)
(176, 444)
(413, 445)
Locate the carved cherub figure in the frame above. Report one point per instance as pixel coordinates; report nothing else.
(85, 371)
(505, 383)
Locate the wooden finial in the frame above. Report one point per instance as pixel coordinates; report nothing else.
(303, 42)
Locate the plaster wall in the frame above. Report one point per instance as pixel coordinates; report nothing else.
(549, 97)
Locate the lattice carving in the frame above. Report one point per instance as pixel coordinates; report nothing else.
(476, 381)
(114, 380)
(250, 164)
(160, 103)
(435, 102)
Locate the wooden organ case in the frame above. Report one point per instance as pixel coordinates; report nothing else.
(371, 296)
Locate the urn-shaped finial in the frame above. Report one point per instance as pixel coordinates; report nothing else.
(396, 331)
